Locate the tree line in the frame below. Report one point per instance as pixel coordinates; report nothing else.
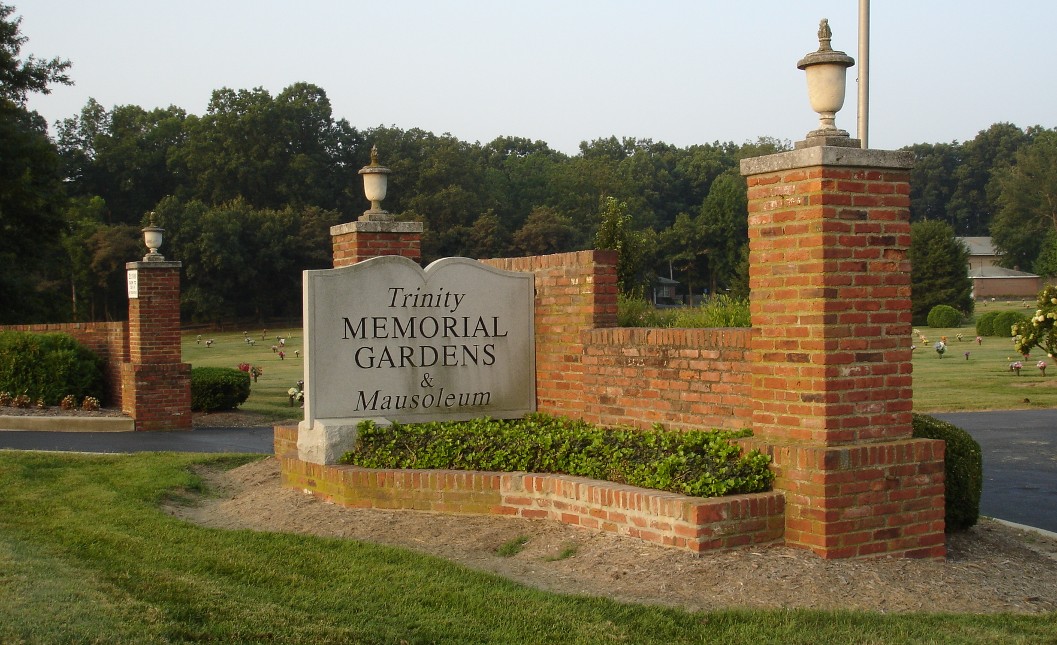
(248, 191)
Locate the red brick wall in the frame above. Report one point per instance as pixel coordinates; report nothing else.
(682, 378)
(830, 279)
(352, 245)
(156, 383)
(109, 340)
(588, 368)
(829, 239)
(154, 317)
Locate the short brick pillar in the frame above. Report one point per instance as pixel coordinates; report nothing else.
(155, 383)
(829, 237)
(365, 239)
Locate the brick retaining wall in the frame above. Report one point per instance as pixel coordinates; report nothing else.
(691, 523)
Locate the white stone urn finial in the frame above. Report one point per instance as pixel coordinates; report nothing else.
(375, 185)
(826, 71)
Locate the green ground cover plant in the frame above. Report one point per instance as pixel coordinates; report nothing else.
(87, 556)
(697, 463)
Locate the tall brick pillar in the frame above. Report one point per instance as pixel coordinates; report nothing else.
(367, 238)
(829, 236)
(156, 384)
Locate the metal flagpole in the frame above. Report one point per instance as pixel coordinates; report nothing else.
(864, 73)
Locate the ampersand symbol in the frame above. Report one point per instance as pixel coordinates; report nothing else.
(427, 380)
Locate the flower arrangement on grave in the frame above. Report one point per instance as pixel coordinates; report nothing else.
(297, 393)
(940, 347)
(1015, 367)
(1042, 367)
(1041, 329)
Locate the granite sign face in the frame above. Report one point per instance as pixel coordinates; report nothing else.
(385, 339)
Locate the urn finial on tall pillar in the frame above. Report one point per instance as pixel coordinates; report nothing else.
(826, 71)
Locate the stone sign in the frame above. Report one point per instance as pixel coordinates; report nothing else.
(387, 340)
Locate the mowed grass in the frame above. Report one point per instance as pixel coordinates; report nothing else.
(268, 395)
(87, 556)
(983, 380)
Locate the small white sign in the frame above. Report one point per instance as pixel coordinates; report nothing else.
(133, 283)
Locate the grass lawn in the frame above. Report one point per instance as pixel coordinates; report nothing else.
(983, 380)
(87, 556)
(269, 394)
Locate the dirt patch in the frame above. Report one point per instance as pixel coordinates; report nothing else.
(990, 568)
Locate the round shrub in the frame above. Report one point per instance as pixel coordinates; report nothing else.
(1004, 321)
(47, 367)
(985, 324)
(944, 316)
(218, 388)
(963, 469)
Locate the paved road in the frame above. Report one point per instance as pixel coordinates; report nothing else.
(1020, 463)
(252, 440)
(1020, 455)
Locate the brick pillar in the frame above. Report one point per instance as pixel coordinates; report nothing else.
(156, 385)
(829, 237)
(364, 239)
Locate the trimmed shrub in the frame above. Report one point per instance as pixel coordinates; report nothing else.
(944, 316)
(1004, 321)
(49, 366)
(218, 388)
(697, 463)
(985, 324)
(964, 474)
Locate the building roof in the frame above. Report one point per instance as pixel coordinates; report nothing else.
(999, 272)
(980, 246)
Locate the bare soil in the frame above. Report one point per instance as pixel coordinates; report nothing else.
(990, 568)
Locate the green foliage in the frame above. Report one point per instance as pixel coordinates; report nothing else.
(1041, 329)
(963, 469)
(937, 270)
(717, 311)
(49, 367)
(985, 323)
(31, 186)
(218, 388)
(1046, 262)
(697, 463)
(634, 248)
(944, 316)
(1027, 200)
(1005, 321)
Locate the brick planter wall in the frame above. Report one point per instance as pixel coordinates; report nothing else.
(690, 523)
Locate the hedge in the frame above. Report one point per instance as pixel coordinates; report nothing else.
(963, 470)
(944, 316)
(218, 388)
(49, 366)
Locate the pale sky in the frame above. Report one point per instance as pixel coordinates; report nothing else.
(565, 71)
